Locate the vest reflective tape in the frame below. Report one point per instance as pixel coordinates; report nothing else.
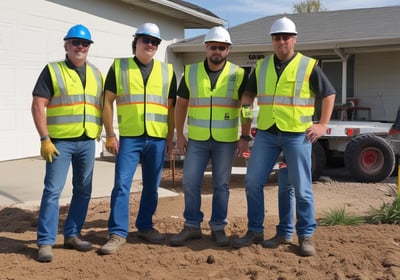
(73, 110)
(214, 123)
(288, 101)
(213, 112)
(142, 108)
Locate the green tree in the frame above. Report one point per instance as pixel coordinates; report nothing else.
(308, 6)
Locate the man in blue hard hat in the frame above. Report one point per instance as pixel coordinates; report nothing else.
(145, 92)
(66, 109)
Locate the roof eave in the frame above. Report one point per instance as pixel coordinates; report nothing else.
(191, 18)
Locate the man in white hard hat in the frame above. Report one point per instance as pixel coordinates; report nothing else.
(286, 84)
(209, 95)
(145, 93)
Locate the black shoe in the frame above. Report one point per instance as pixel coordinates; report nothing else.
(152, 236)
(74, 242)
(220, 238)
(250, 238)
(188, 233)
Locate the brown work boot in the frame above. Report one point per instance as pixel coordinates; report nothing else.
(74, 242)
(275, 241)
(220, 238)
(152, 236)
(45, 253)
(188, 233)
(112, 244)
(250, 238)
(306, 246)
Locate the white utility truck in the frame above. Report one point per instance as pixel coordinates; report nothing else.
(370, 150)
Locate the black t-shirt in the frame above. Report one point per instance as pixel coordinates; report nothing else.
(183, 90)
(319, 83)
(44, 86)
(145, 69)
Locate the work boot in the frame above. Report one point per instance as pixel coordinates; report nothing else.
(45, 253)
(152, 236)
(112, 244)
(220, 237)
(188, 233)
(250, 238)
(74, 242)
(275, 241)
(306, 246)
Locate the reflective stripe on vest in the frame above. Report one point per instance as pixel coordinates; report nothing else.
(73, 110)
(142, 109)
(213, 113)
(288, 101)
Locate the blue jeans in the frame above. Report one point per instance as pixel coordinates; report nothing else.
(81, 155)
(195, 163)
(297, 152)
(149, 152)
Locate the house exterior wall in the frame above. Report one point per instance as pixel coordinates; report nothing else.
(31, 35)
(377, 83)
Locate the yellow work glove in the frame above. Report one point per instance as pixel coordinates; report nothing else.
(48, 150)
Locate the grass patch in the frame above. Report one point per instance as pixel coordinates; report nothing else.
(388, 213)
(339, 216)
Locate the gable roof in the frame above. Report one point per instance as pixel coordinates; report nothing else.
(193, 16)
(349, 30)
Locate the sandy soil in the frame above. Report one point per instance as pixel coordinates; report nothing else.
(343, 252)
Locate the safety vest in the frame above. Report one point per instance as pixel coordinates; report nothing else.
(213, 112)
(142, 108)
(74, 110)
(288, 101)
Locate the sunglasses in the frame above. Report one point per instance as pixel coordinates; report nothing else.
(153, 42)
(284, 37)
(220, 48)
(77, 43)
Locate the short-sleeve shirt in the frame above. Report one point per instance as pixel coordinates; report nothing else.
(319, 83)
(44, 85)
(111, 85)
(183, 90)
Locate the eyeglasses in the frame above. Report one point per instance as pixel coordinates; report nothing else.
(284, 37)
(77, 43)
(220, 48)
(153, 42)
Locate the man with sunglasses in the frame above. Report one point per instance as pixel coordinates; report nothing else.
(286, 85)
(145, 93)
(209, 94)
(66, 109)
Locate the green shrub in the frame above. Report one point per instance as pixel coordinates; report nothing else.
(388, 213)
(340, 217)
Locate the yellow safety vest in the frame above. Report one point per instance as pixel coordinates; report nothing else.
(74, 110)
(142, 109)
(288, 101)
(213, 112)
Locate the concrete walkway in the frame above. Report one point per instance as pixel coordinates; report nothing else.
(21, 182)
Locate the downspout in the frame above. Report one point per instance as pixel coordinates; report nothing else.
(344, 58)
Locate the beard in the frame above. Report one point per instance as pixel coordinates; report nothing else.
(217, 59)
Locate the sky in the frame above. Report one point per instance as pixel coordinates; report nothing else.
(240, 11)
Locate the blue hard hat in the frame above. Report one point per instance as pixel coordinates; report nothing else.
(80, 32)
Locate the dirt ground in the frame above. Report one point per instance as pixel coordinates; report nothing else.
(343, 252)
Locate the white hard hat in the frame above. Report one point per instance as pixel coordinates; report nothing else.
(218, 34)
(148, 29)
(283, 25)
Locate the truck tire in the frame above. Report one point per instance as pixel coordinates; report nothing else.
(318, 160)
(369, 158)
